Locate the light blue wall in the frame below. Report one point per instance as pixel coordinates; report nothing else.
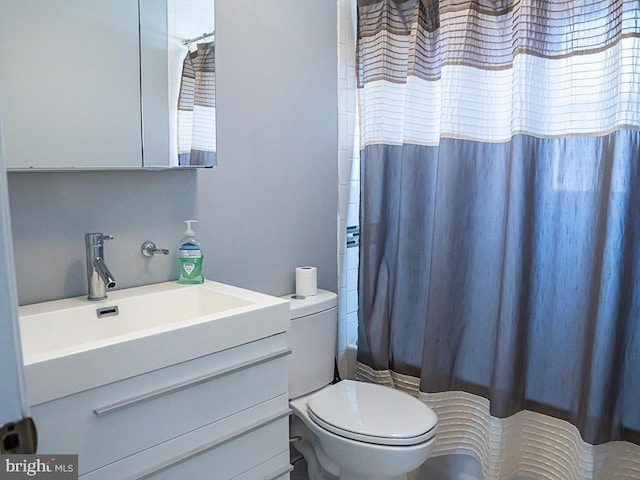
(51, 212)
(269, 206)
(273, 202)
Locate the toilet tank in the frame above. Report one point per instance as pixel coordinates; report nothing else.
(312, 339)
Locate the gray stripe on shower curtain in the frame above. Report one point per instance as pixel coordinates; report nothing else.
(510, 272)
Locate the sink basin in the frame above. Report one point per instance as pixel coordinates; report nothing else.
(74, 344)
(139, 311)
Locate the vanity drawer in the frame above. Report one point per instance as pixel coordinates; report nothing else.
(108, 423)
(250, 445)
(232, 458)
(276, 468)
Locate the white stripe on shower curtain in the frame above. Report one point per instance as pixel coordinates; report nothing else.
(590, 94)
(526, 444)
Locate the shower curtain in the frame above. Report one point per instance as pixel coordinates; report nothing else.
(500, 226)
(197, 107)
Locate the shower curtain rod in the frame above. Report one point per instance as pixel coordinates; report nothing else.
(189, 41)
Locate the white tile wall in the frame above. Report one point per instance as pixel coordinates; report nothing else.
(349, 177)
(186, 19)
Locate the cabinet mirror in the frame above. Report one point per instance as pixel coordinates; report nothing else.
(107, 84)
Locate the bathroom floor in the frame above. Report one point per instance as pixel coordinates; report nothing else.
(449, 467)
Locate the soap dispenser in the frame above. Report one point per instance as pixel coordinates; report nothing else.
(190, 257)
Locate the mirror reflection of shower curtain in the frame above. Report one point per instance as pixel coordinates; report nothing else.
(197, 108)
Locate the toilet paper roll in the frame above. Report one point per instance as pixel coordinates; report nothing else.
(306, 281)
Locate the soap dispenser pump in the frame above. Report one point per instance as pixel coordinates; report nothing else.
(190, 257)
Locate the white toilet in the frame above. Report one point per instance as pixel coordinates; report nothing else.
(349, 430)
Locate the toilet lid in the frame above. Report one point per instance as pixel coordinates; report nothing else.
(372, 413)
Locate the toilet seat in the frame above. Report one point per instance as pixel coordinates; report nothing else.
(372, 413)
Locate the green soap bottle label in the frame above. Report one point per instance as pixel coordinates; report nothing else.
(190, 266)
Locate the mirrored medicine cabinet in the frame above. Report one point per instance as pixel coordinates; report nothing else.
(94, 84)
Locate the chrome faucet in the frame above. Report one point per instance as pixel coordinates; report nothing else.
(99, 278)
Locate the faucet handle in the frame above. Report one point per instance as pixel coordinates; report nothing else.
(149, 249)
(95, 239)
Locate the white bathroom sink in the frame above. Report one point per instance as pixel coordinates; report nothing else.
(74, 344)
(52, 328)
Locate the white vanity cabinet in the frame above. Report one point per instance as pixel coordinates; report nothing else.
(219, 416)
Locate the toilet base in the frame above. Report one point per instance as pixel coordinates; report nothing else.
(316, 472)
(319, 465)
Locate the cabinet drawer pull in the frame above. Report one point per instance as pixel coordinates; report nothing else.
(129, 402)
(199, 450)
